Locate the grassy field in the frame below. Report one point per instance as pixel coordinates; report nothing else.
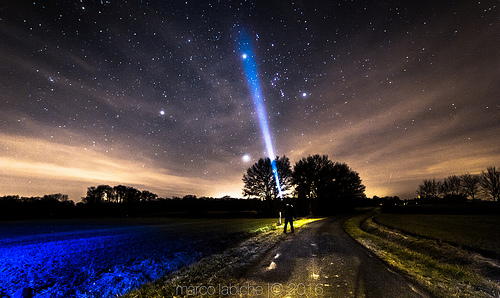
(109, 257)
(443, 269)
(478, 232)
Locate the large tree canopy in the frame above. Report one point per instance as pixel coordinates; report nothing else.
(330, 183)
(346, 183)
(329, 186)
(311, 175)
(259, 179)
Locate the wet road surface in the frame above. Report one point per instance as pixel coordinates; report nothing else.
(321, 260)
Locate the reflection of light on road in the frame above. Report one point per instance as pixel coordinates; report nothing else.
(315, 246)
(271, 266)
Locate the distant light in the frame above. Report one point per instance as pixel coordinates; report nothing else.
(162, 112)
(304, 94)
(244, 56)
(246, 158)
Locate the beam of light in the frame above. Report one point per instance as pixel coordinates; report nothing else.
(251, 72)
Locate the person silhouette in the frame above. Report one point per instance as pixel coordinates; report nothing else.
(289, 215)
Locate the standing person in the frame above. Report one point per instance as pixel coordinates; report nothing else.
(289, 215)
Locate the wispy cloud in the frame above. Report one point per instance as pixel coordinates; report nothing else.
(46, 162)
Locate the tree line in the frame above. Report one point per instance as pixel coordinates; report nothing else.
(315, 184)
(100, 204)
(117, 194)
(323, 185)
(484, 185)
(52, 205)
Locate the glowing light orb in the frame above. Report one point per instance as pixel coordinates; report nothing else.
(304, 94)
(244, 56)
(162, 112)
(246, 158)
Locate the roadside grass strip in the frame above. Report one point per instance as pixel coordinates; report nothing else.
(441, 268)
(223, 268)
(480, 233)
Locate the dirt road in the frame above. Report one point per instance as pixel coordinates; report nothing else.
(321, 260)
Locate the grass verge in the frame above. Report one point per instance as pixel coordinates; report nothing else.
(218, 268)
(443, 269)
(480, 233)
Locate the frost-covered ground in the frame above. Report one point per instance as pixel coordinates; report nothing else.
(104, 258)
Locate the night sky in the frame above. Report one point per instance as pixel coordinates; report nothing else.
(154, 94)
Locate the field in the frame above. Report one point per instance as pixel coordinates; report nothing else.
(477, 232)
(439, 252)
(106, 258)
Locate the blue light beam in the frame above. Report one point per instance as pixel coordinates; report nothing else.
(251, 72)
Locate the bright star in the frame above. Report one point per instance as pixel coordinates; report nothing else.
(244, 56)
(162, 112)
(246, 158)
(304, 94)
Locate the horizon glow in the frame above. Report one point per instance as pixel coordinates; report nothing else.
(251, 73)
(82, 108)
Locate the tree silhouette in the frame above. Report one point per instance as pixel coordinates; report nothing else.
(346, 183)
(148, 196)
(117, 194)
(490, 182)
(310, 175)
(429, 188)
(56, 197)
(451, 186)
(99, 194)
(93, 196)
(259, 180)
(132, 195)
(120, 192)
(331, 184)
(470, 184)
(107, 193)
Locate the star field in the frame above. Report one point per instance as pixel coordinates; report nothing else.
(153, 94)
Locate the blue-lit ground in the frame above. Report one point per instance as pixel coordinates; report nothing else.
(90, 258)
